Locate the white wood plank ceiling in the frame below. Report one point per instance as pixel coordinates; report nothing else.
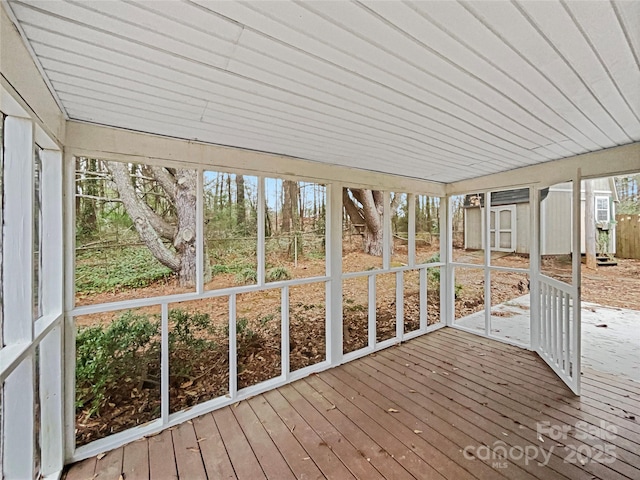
(443, 91)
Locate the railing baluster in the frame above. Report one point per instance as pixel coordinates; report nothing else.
(567, 332)
(548, 320)
(543, 314)
(560, 353)
(554, 332)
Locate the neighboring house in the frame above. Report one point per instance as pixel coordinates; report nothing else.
(510, 222)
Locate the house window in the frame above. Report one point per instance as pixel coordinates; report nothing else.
(602, 209)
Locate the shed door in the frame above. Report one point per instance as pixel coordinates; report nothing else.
(503, 228)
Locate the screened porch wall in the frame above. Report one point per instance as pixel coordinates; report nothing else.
(32, 299)
(404, 280)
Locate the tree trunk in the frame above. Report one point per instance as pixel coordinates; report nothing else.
(589, 224)
(136, 209)
(373, 242)
(290, 213)
(185, 240)
(241, 213)
(370, 214)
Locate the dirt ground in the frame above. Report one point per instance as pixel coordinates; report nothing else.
(259, 348)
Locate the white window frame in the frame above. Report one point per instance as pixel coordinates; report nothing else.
(597, 210)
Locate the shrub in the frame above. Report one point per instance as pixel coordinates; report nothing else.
(128, 348)
(190, 337)
(186, 326)
(278, 273)
(247, 275)
(107, 356)
(217, 269)
(433, 275)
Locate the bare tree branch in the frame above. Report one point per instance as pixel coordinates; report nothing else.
(166, 180)
(139, 213)
(352, 210)
(101, 199)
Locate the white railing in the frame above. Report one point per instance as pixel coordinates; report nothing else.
(559, 329)
(400, 335)
(235, 394)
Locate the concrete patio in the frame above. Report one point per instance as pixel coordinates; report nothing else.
(612, 349)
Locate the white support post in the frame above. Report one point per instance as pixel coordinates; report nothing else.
(51, 403)
(51, 347)
(52, 232)
(284, 333)
(371, 302)
(424, 304)
(233, 348)
(18, 401)
(577, 282)
(399, 306)
(200, 231)
(447, 309)
(334, 272)
(534, 268)
(69, 210)
(387, 236)
(262, 206)
(411, 211)
(164, 364)
(486, 221)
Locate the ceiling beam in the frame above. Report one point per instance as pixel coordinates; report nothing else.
(620, 160)
(91, 140)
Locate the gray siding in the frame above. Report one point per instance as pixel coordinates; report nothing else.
(523, 230)
(556, 223)
(473, 228)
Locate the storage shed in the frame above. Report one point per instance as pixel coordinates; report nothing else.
(510, 227)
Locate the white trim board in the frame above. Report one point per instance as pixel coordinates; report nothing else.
(84, 139)
(604, 163)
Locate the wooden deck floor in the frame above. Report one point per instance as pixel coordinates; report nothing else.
(411, 411)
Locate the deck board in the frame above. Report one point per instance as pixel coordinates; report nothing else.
(82, 470)
(325, 458)
(243, 458)
(162, 459)
(110, 466)
(366, 446)
(453, 392)
(187, 451)
(301, 464)
(268, 455)
(214, 453)
(135, 464)
(391, 445)
(332, 439)
(530, 384)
